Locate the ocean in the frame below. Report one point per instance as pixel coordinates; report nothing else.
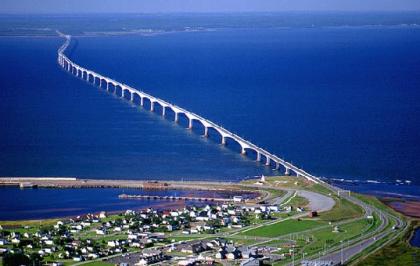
(340, 101)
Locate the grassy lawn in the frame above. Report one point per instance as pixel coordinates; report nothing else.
(35, 223)
(319, 239)
(298, 201)
(283, 228)
(97, 263)
(327, 238)
(184, 238)
(343, 210)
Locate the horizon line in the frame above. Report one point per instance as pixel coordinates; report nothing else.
(211, 12)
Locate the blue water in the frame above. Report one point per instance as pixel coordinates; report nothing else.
(44, 203)
(415, 240)
(339, 102)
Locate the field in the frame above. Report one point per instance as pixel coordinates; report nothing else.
(283, 228)
(343, 210)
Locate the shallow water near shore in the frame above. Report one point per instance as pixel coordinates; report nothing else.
(44, 203)
(415, 239)
(338, 102)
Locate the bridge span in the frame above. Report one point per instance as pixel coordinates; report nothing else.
(131, 93)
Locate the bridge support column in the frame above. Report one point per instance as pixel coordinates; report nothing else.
(258, 157)
(152, 106)
(267, 162)
(277, 166)
(141, 101)
(100, 83)
(176, 117)
(190, 123)
(206, 131)
(243, 151)
(107, 86)
(287, 172)
(223, 140)
(163, 111)
(132, 97)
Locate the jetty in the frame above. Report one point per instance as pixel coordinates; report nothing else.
(155, 197)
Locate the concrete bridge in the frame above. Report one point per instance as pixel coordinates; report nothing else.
(131, 94)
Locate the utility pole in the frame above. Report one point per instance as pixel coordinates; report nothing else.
(293, 256)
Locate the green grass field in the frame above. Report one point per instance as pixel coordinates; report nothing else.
(97, 263)
(343, 210)
(283, 228)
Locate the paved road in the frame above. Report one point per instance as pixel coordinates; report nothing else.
(282, 199)
(317, 202)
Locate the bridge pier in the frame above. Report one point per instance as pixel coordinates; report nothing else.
(163, 111)
(131, 96)
(141, 101)
(190, 123)
(206, 131)
(267, 162)
(243, 151)
(277, 166)
(223, 140)
(152, 106)
(100, 83)
(107, 86)
(176, 117)
(258, 157)
(287, 171)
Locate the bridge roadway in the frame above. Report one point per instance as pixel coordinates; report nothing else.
(92, 77)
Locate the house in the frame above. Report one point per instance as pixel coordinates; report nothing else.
(313, 214)
(221, 254)
(237, 199)
(189, 262)
(251, 262)
(248, 252)
(78, 259)
(100, 232)
(112, 244)
(49, 242)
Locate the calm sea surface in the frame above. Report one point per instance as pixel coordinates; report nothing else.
(52, 203)
(340, 102)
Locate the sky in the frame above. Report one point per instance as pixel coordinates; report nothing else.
(155, 6)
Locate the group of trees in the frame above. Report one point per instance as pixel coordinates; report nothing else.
(17, 259)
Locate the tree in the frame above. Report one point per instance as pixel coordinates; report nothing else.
(15, 259)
